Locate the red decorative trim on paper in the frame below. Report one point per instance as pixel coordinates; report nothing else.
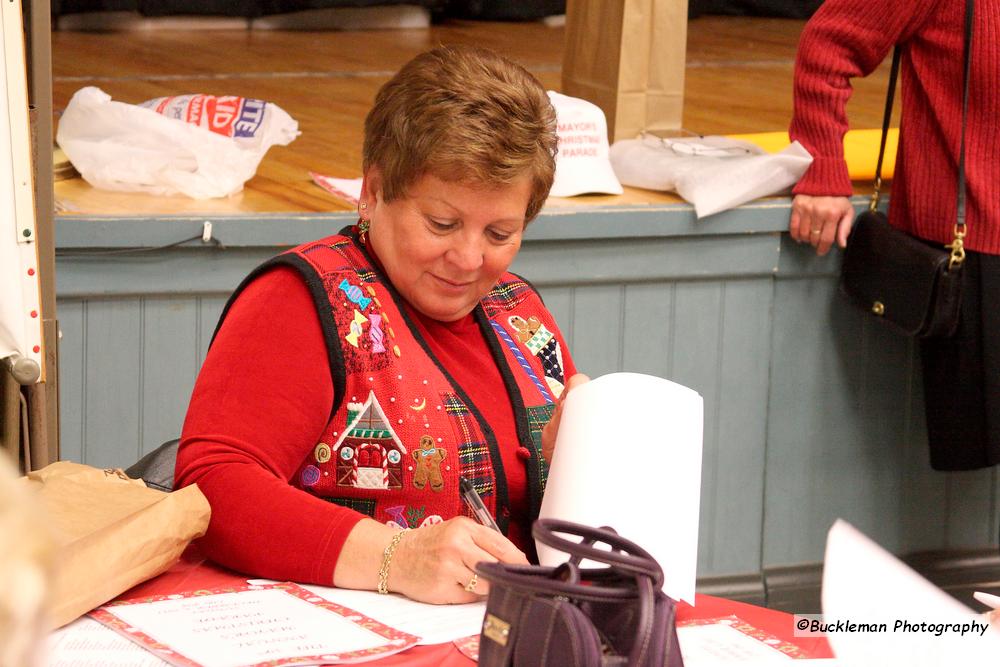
(468, 646)
(397, 639)
(736, 623)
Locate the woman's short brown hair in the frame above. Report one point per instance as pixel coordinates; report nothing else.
(465, 114)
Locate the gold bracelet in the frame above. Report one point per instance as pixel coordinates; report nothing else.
(383, 572)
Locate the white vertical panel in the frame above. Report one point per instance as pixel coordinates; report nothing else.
(20, 287)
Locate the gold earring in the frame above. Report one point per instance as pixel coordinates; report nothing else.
(363, 226)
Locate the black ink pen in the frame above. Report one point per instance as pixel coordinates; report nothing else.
(475, 504)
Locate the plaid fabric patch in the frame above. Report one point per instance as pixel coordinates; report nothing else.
(538, 417)
(505, 296)
(473, 453)
(363, 505)
(541, 338)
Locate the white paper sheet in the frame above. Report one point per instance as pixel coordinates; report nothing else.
(348, 189)
(433, 623)
(864, 583)
(628, 455)
(252, 627)
(87, 643)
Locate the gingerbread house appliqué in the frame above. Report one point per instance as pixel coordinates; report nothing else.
(369, 454)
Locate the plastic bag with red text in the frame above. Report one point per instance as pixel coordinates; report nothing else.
(201, 146)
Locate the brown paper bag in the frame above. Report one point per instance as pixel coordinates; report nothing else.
(111, 532)
(628, 57)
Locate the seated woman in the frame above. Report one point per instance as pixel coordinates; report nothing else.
(353, 381)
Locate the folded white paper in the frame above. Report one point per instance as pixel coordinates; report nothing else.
(628, 456)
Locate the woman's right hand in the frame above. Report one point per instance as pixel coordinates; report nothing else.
(819, 220)
(435, 563)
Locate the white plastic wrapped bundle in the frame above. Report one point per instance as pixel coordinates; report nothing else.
(201, 146)
(714, 173)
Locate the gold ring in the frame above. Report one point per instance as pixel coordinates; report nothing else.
(471, 586)
(816, 231)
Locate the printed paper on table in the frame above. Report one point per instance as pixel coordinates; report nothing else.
(278, 624)
(433, 623)
(87, 643)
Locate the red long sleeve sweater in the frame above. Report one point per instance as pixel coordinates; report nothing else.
(261, 402)
(849, 38)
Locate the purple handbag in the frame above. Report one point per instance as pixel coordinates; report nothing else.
(579, 617)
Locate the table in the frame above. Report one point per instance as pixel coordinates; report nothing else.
(194, 572)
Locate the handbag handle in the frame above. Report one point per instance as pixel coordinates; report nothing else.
(625, 555)
(957, 245)
(564, 580)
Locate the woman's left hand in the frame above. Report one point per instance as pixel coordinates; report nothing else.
(820, 221)
(552, 428)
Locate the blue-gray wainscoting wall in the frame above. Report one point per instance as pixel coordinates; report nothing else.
(812, 412)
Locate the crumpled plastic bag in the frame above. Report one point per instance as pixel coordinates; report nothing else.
(714, 173)
(201, 146)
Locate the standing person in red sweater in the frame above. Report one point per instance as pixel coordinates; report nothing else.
(355, 381)
(849, 38)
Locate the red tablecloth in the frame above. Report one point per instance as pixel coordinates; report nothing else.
(193, 572)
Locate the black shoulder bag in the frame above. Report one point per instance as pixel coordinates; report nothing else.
(912, 285)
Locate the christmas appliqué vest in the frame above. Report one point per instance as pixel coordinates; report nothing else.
(401, 431)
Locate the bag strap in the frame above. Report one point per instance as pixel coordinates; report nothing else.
(886, 119)
(625, 555)
(957, 246)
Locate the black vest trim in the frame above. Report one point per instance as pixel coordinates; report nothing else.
(524, 438)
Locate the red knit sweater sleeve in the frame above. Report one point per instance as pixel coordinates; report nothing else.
(260, 403)
(844, 39)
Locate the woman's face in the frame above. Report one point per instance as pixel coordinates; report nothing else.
(445, 244)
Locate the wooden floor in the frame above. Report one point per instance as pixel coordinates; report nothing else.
(738, 80)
